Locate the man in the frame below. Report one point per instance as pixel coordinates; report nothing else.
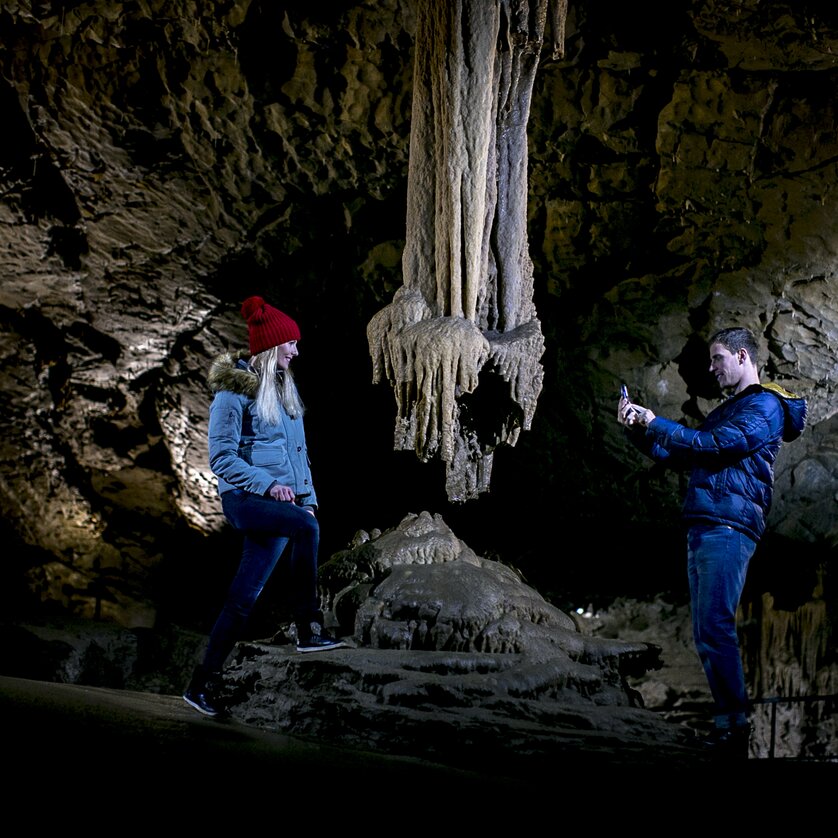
(730, 458)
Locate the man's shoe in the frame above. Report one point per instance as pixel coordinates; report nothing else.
(728, 742)
(319, 643)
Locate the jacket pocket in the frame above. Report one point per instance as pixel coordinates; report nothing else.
(276, 454)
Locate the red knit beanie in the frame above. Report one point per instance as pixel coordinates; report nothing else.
(268, 326)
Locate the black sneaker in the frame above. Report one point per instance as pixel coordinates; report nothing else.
(318, 643)
(202, 692)
(727, 743)
(203, 702)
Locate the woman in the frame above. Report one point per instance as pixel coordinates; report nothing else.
(257, 450)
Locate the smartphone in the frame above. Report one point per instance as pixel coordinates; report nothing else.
(624, 393)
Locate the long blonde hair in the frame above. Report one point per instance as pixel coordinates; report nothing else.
(276, 389)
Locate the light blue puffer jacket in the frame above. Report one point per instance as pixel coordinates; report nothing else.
(246, 453)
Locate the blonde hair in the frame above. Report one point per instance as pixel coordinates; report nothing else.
(276, 389)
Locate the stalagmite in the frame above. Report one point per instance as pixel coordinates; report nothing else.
(465, 315)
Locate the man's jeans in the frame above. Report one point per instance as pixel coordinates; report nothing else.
(717, 562)
(268, 526)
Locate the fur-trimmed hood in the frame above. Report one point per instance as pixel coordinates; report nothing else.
(230, 372)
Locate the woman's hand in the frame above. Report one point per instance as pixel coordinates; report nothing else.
(280, 492)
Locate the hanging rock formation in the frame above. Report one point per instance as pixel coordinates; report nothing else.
(465, 312)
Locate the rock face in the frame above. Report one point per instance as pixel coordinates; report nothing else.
(161, 161)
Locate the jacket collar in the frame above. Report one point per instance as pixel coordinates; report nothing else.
(231, 372)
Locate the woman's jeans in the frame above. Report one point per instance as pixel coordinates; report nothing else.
(717, 562)
(268, 526)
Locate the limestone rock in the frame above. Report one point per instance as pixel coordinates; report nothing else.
(452, 656)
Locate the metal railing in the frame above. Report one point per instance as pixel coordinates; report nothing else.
(774, 701)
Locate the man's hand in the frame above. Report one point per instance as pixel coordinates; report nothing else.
(629, 414)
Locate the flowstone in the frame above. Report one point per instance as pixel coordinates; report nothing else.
(453, 657)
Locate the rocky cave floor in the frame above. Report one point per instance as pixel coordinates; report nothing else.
(112, 747)
(93, 710)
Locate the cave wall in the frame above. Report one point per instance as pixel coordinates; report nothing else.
(162, 160)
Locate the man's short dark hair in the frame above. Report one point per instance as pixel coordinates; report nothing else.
(735, 339)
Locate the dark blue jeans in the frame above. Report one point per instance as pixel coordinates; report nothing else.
(717, 563)
(268, 526)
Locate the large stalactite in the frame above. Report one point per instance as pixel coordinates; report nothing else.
(465, 316)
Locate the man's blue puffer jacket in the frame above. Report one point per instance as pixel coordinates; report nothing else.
(731, 455)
